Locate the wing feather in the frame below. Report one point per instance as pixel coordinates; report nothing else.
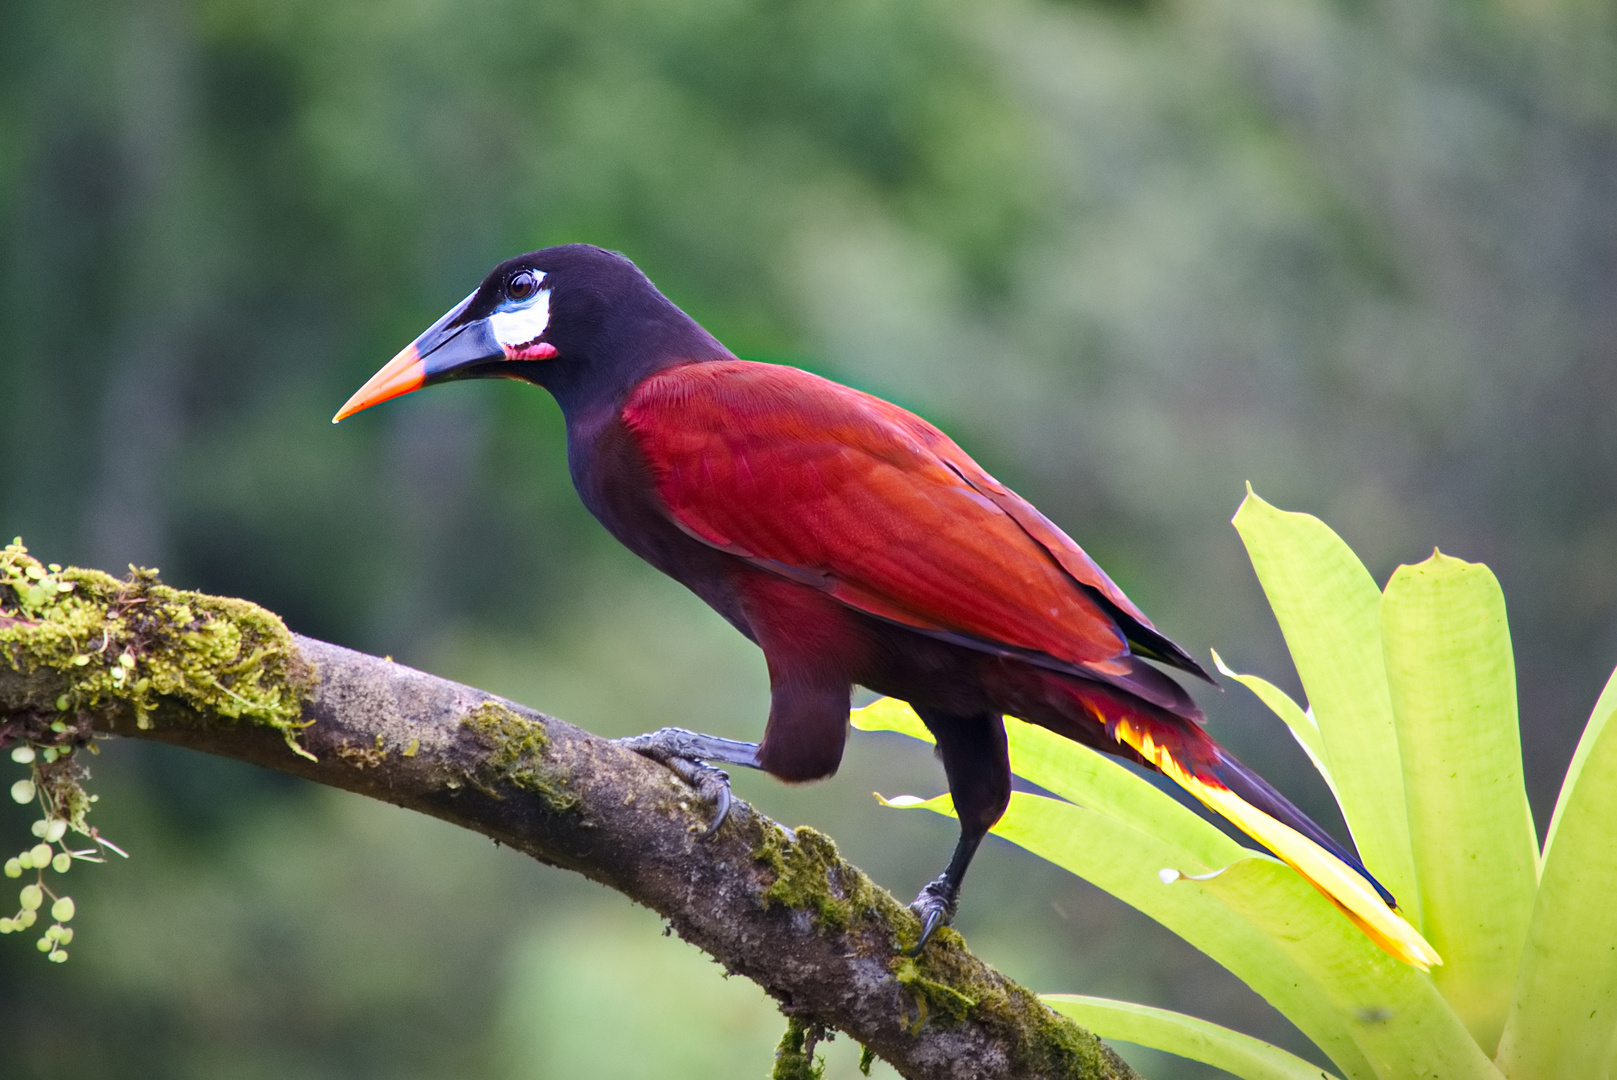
(825, 484)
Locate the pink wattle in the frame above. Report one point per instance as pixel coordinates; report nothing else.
(533, 350)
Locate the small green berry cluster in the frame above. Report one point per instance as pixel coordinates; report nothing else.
(53, 782)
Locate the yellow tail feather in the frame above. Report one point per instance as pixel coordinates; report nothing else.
(1341, 884)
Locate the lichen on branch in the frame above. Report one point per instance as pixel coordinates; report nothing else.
(95, 642)
(517, 755)
(137, 642)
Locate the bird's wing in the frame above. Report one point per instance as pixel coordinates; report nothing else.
(1143, 638)
(832, 487)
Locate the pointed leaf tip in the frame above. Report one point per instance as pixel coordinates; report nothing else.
(940, 803)
(1168, 875)
(1437, 560)
(1250, 497)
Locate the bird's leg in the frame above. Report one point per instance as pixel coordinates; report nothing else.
(688, 754)
(977, 763)
(938, 899)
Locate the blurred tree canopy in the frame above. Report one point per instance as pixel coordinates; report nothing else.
(1130, 253)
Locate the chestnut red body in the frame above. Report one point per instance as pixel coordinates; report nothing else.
(858, 545)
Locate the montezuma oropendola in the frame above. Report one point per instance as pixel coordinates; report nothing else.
(855, 544)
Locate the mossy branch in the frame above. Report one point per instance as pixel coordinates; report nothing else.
(88, 655)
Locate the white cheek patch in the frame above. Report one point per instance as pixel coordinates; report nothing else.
(518, 331)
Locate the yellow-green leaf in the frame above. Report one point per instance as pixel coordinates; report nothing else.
(1083, 776)
(1604, 707)
(1093, 780)
(1328, 608)
(1453, 686)
(1403, 1026)
(1186, 1036)
(1563, 1017)
(891, 714)
(1302, 726)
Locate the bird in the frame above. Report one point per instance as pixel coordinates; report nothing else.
(858, 546)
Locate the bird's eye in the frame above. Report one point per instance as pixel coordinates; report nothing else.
(522, 286)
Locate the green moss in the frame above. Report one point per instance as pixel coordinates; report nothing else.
(933, 999)
(811, 876)
(947, 987)
(794, 1057)
(364, 757)
(517, 756)
(1055, 1045)
(140, 642)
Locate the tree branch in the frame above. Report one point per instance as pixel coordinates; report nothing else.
(95, 656)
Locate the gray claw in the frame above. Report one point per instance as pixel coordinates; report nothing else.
(712, 784)
(936, 907)
(723, 802)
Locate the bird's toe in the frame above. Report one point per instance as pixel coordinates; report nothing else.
(670, 747)
(936, 907)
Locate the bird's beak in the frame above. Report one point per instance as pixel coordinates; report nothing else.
(449, 346)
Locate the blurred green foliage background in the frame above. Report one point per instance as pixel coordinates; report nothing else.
(1131, 253)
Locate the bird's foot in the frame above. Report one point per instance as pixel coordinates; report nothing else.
(713, 785)
(687, 753)
(936, 906)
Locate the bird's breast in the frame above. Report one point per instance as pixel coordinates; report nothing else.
(617, 485)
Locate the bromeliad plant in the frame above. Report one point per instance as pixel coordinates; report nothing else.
(1412, 723)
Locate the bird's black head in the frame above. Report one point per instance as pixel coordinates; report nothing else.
(579, 320)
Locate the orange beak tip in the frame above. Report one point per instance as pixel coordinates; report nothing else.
(399, 376)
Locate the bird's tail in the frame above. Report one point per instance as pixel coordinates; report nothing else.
(1189, 756)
